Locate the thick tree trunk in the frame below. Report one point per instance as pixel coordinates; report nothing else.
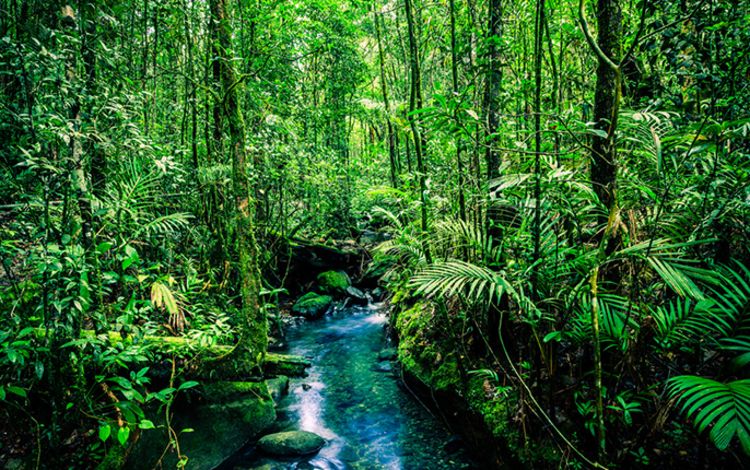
(253, 325)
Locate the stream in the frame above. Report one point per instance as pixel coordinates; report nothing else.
(356, 403)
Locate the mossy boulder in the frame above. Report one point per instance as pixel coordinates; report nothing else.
(291, 443)
(312, 305)
(333, 283)
(278, 387)
(223, 416)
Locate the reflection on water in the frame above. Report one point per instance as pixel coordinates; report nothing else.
(355, 403)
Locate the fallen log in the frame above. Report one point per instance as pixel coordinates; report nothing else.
(214, 362)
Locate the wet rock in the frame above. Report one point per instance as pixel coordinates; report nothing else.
(333, 283)
(378, 294)
(356, 296)
(228, 415)
(291, 443)
(312, 305)
(383, 367)
(278, 387)
(389, 354)
(275, 344)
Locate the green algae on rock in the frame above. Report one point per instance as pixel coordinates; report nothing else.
(223, 417)
(312, 305)
(291, 443)
(333, 283)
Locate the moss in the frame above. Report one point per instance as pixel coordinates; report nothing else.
(428, 356)
(422, 356)
(115, 458)
(221, 392)
(226, 417)
(312, 305)
(333, 282)
(494, 409)
(285, 364)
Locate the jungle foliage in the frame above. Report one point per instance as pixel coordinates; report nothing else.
(567, 180)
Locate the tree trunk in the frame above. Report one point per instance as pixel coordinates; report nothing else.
(386, 103)
(459, 143)
(606, 105)
(493, 81)
(415, 102)
(253, 325)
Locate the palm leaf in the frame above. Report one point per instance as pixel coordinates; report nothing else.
(723, 407)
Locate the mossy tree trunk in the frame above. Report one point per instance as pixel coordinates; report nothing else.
(253, 324)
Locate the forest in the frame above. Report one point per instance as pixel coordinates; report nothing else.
(362, 234)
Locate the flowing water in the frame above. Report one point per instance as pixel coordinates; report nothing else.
(356, 404)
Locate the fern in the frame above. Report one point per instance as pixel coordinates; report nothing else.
(724, 407)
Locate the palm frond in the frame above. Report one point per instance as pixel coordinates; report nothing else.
(723, 407)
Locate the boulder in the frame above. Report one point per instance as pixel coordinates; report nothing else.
(383, 367)
(278, 387)
(291, 443)
(224, 417)
(357, 296)
(312, 305)
(333, 283)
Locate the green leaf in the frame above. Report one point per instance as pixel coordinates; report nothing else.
(122, 435)
(146, 424)
(188, 384)
(17, 391)
(104, 432)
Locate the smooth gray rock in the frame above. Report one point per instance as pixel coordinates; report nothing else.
(357, 296)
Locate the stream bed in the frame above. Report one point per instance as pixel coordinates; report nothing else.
(356, 403)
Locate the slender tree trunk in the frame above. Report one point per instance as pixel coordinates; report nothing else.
(88, 11)
(607, 105)
(386, 103)
(459, 139)
(415, 102)
(538, 52)
(253, 324)
(493, 84)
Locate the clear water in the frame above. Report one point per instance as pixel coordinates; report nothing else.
(367, 419)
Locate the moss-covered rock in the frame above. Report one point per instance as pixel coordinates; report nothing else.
(223, 418)
(429, 357)
(291, 443)
(278, 387)
(312, 305)
(333, 283)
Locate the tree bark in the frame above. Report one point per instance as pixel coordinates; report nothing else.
(493, 83)
(606, 105)
(415, 102)
(459, 143)
(384, 86)
(253, 341)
